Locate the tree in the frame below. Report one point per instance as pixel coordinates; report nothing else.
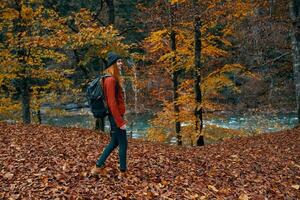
(35, 42)
(175, 75)
(197, 76)
(218, 21)
(262, 45)
(30, 37)
(295, 16)
(111, 11)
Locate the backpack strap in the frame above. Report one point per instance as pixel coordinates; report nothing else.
(101, 80)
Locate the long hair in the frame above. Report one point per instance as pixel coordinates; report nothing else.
(114, 71)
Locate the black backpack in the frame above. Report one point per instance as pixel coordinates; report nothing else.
(96, 97)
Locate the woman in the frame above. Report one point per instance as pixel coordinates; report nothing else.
(115, 102)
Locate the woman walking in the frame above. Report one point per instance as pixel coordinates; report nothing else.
(112, 88)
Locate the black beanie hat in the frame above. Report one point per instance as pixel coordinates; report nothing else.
(111, 59)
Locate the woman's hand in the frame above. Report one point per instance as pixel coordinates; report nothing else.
(123, 127)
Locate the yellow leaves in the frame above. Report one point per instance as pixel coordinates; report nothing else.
(157, 40)
(226, 42)
(58, 57)
(83, 18)
(213, 51)
(26, 12)
(9, 14)
(219, 78)
(153, 134)
(6, 76)
(35, 1)
(102, 39)
(51, 13)
(177, 1)
(215, 133)
(68, 71)
(167, 57)
(44, 38)
(9, 108)
(208, 105)
(228, 31)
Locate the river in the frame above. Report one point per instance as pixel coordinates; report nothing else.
(251, 123)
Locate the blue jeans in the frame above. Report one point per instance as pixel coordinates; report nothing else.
(118, 138)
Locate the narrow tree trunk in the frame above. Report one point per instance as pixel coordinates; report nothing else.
(175, 76)
(81, 67)
(271, 91)
(197, 83)
(20, 51)
(271, 8)
(135, 90)
(39, 116)
(100, 124)
(295, 16)
(176, 107)
(111, 11)
(25, 102)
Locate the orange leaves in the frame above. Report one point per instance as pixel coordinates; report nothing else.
(177, 1)
(55, 163)
(9, 14)
(157, 41)
(26, 12)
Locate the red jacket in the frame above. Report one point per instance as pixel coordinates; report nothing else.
(115, 102)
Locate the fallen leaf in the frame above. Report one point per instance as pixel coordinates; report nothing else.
(8, 176)
(64, 167)
(43, 169)
(296, 187)
(14, 196)
(213, 188)
(155, 171)
(243, 197)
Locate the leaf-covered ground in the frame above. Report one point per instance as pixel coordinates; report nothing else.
(43, 162)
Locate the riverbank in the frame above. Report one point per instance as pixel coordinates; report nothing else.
(39, 161)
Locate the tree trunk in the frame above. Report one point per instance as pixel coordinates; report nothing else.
(100, 124)
(135, 90)
(271, 8)
(176, 107)
(39, 116)
(111, 11)
(81, 67)
(25, 102)
(197, 83)
(295, 16)
(175, 76)
(270, 96)
(21, 54)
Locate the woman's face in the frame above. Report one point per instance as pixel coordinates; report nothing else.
(120, 64)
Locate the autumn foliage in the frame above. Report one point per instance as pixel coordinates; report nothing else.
(39, 54)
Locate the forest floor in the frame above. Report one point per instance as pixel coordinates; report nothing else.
(44, 162)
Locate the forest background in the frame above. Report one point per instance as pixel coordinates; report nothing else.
(187, 61)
